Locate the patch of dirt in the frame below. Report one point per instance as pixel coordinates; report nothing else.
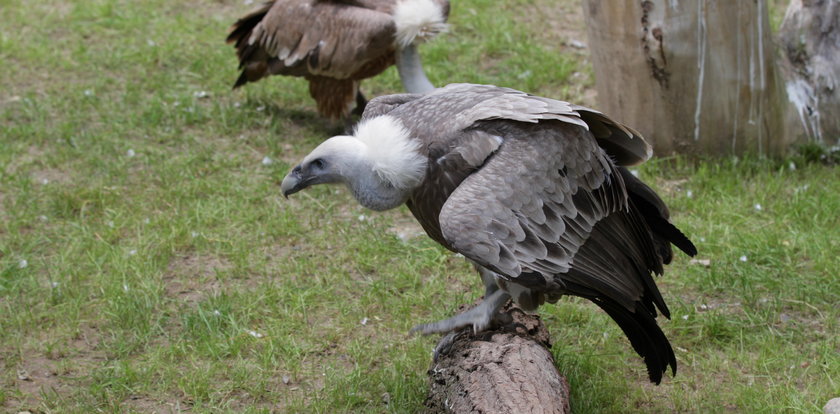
(146, 404)
(670, 188)
(406, 227)
(58, 371)
(560, 26)
(191, 278)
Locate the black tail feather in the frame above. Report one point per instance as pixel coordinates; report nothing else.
(645, 336)
(656, 214)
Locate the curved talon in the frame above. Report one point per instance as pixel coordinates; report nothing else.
(445, 344)
(479, 317)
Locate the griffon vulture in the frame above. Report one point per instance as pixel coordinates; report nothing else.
(335, 44)
(532, 190)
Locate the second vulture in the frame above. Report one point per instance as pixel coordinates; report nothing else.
(532, 190)
(336, 44)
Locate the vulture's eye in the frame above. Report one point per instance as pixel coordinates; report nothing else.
(318, 164)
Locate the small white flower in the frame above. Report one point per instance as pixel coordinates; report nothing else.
(54, 284)
(792, 166)
(267, 160)
(110, 224)
(151, 42)
(364, 321)
(146, 220)
(45, 181)
(525, 75)
(43, 218)
(193, 234)
(689, 193)
(255, 334)
(702, 262)
(260, 108)
(237, 104)
(685, 317)
(702, 240)
(216, 312)
(132, 252)
(757, 207)
(201, 94)
(176, 103)
(743, 258)
(130, 153)
(577, 44)
(23, 263)
(88, 92)
(362, 217)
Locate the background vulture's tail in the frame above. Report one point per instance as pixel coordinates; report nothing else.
(251, 59)
(656, 215)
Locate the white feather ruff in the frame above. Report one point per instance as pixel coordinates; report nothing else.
(418, 20)
(392, 151)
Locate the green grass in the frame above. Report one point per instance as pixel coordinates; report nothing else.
(163, 270)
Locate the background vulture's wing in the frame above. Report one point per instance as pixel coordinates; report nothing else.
(549, 208)
(323, 38)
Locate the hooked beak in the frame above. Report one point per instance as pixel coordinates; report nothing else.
(293, 182)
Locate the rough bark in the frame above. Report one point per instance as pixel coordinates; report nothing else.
(509, 370)
(810, 41)
(693, 76)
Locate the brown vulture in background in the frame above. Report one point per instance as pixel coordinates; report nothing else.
(335, 44)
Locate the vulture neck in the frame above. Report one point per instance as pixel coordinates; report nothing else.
(413, 77)
(372, 192)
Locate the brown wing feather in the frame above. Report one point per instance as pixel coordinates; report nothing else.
(324, 38)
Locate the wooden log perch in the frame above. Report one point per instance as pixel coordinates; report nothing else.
(507, 370)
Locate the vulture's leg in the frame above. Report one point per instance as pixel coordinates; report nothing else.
(478, 317)
(490, 287)
(361, 103)
(349, 123)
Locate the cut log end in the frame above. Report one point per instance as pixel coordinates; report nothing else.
(506, 370)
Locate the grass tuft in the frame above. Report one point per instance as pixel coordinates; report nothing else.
(148, 263)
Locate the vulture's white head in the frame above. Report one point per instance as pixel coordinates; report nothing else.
(379, 163)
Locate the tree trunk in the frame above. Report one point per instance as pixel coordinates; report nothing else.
(509, 370)
(810, 40)
(693, 76)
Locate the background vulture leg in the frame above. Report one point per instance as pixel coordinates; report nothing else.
(361, 103)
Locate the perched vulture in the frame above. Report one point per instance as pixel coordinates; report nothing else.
(533, 191)
(335, 44)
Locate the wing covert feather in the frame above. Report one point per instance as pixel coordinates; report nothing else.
(532, 207)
